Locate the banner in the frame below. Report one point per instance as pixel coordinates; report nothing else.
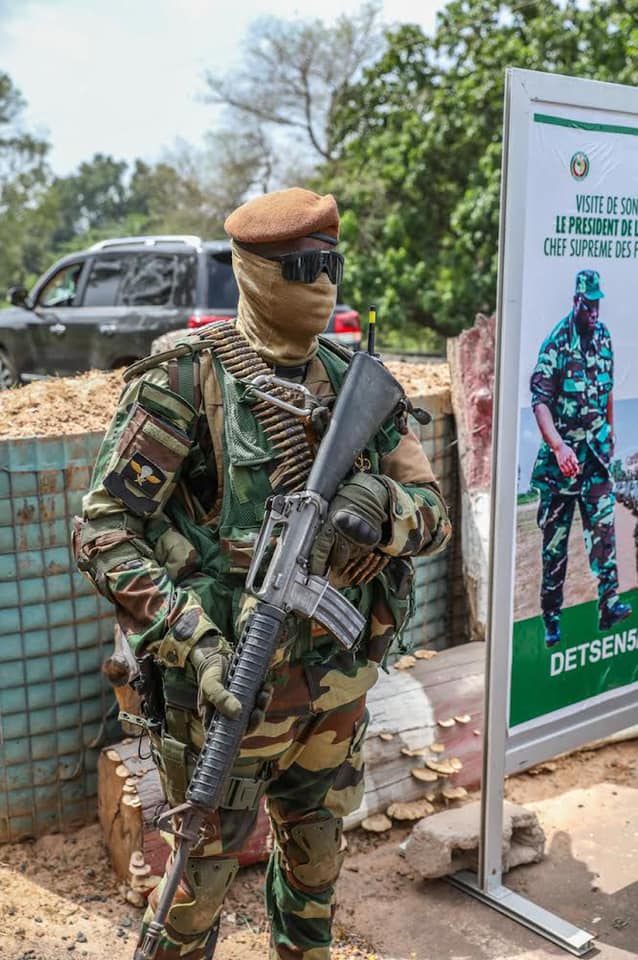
(575, 632)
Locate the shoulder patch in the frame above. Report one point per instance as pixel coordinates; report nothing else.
(143, 473)
(138, 504)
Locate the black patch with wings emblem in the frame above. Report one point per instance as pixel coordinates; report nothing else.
(142, 474)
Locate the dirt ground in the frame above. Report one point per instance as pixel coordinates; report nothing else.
(59, 898)
(580, 585)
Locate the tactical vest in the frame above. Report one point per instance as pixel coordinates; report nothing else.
(225, 546)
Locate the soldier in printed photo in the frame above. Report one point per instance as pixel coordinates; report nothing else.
(572, 399)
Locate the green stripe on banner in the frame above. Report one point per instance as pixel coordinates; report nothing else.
(584, 125)
(586, 663)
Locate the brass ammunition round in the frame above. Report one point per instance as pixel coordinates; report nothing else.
(282, 434)
(289, 467)
(276, 421)
(290, 447)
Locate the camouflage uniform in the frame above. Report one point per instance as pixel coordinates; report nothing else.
(177, 497)
(574, 379)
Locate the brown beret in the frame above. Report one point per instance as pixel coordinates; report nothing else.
(284, 215)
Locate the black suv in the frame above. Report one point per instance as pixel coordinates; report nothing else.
(103, 308)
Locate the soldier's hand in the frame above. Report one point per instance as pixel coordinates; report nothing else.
(354, 526)
(567, 461)
(211, 658)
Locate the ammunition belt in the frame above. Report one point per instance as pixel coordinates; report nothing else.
(286, 432)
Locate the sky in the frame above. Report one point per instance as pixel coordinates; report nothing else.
(126, 77)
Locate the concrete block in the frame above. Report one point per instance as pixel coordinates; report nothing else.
(448, 841)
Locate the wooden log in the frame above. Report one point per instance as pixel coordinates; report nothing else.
(409, 704)
(129, 798)
(119, 769)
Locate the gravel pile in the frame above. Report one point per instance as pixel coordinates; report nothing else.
(420, 379)
(85, 403)
(67, 405)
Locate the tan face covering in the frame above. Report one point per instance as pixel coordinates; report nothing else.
(280, 319)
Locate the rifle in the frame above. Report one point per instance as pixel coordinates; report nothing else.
(368, 396)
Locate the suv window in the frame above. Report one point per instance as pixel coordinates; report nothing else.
(185, 281)
(61, 288)
(222, 287)
(142, 280)
(103, 286)
(148, 281)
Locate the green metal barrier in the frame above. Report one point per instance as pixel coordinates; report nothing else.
(54, 634)
(439, 614)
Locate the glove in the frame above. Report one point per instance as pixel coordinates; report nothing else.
(355, 523)
(211, 658)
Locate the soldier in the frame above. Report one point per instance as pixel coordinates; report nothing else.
(572, 387)
(176, 500)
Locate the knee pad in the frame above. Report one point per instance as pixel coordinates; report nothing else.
(313, 851)
(209, 880)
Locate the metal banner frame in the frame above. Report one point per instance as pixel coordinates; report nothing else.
(526, 93)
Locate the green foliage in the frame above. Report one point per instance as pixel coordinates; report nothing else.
(52, 216)
(23, 175)
(43, 217)
(408, 338)
(418, 171)
(89, 200)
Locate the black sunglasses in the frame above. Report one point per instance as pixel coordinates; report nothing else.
(306, 265)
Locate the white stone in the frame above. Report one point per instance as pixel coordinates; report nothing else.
(448, 841)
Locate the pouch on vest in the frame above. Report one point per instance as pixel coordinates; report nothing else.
(153, 444)
(102, 544)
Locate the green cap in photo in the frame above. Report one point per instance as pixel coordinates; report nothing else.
(588, 284)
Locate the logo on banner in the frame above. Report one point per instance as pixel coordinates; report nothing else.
(579, 165)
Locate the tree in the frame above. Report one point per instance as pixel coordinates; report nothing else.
(293, 78)
(616, 470)
(43, 217)
(21, 154)
(23, 178)
(106, 198)
(173, 197)
(417, 169)
(90, 200)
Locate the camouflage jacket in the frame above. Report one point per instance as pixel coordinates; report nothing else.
(165, 493)
(575, 383)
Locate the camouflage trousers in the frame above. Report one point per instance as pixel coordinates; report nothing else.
(307, 758)
(596, 502)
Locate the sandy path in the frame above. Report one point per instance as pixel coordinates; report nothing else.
(58, 897)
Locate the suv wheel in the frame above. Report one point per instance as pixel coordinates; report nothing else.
(8, 373)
